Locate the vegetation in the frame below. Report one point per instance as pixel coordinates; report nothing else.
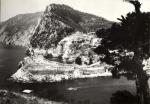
(130, 36)
(78, 61)
(79, 20)
(8, 97)
(47, 55)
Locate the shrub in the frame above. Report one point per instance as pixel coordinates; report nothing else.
(78, 61)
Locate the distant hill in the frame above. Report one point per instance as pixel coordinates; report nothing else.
(20, 29)
(17, 30)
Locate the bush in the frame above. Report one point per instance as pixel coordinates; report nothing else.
(48, 56)
(28, 52)
(60, 57)
(78, 61)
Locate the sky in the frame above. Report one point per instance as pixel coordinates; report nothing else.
(109, 9)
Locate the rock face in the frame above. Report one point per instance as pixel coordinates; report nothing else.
(19, 29)
(59, 21)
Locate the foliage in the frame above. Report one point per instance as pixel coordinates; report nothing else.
(103, 33)
(78, 61)
(131, 35)
(123, 97)
(47, 55)
(129, 41)
(132, 31)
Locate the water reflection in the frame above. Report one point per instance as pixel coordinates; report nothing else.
(9, 58)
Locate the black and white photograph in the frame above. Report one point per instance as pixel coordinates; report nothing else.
(74, 51)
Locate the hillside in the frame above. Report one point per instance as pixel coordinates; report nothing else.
(59, 21)
(17, 30)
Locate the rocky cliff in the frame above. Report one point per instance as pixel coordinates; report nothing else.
(59, 21)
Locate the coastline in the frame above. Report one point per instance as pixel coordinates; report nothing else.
(38, 69)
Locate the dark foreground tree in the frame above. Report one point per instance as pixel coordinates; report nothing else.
(130, 42)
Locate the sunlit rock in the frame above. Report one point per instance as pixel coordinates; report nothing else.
(38, 69)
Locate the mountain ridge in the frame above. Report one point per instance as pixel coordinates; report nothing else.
(18, 30)
(59, 21)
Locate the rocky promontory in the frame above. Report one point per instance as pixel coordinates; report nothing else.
(38, 69)
(62, 47)
(73, 58)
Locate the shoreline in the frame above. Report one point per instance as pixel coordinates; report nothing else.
(38, 69)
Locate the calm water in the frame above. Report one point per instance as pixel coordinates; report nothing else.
(9, 58)
(86, 91)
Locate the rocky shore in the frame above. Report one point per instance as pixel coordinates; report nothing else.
(38, 69)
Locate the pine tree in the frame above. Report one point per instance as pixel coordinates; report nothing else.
(130, 36)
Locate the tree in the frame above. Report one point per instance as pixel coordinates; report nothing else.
(78, 61)
(131, 40)
(48, 55)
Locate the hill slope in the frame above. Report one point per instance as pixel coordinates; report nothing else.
(18, 30)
